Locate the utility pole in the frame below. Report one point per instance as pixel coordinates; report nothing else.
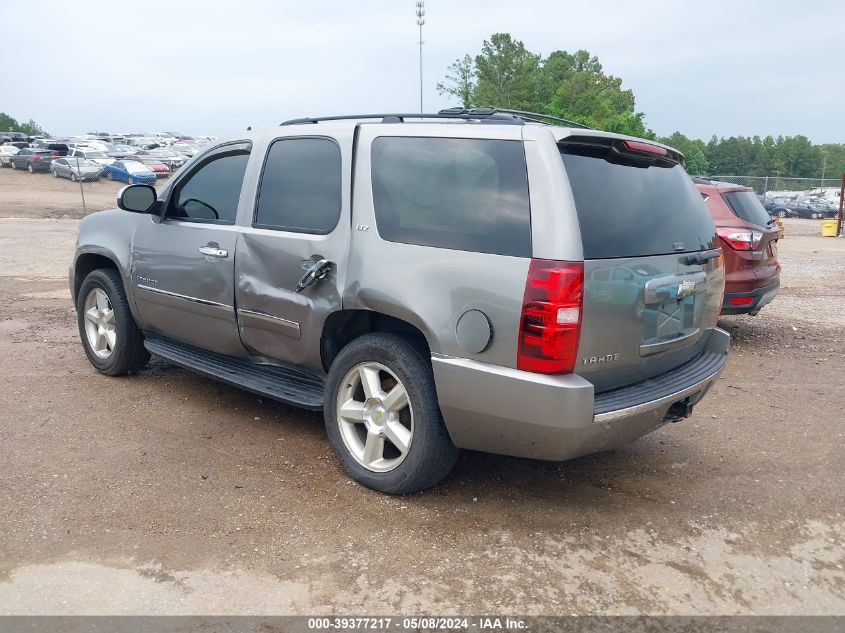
(420, 21)
(824, 168)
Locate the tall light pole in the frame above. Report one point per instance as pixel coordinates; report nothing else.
(420, 22)
(824, 168)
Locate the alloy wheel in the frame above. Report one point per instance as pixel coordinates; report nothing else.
(99, 323)
(375, 417)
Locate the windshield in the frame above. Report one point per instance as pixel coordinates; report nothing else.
(746, 205)
(627, 209)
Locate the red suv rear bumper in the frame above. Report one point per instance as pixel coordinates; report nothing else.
(749, 302)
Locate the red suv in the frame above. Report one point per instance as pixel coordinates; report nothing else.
(748, 237)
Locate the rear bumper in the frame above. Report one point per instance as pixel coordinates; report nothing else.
(511, 412)
(748, 302)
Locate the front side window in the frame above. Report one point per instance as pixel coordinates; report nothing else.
(211, 192)
(462, 194)
(300, 186)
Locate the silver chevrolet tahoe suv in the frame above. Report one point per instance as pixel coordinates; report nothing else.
(477, 279)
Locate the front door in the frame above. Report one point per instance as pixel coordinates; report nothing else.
(301, 218)
(184, 264)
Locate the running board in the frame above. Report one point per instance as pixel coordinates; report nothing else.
(285, 384)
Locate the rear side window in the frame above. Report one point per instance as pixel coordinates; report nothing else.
(632, 209)
(463, 194)
(300, 186)
(746, 205)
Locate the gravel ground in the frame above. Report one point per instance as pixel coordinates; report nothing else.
(169, 493)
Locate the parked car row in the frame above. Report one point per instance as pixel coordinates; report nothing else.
(129, 158)
(85, 166)
(813, 208)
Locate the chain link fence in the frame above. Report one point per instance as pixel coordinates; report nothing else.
(75, 178)
(775, 186)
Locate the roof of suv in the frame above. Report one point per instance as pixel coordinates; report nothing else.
(488, 117)
(719, 185)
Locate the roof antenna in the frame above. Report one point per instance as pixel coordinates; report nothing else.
(248, 128)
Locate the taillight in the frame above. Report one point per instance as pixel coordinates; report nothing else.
(648, 148)
(55, 153)
(36, 157)
(740, 239)
(551, 317)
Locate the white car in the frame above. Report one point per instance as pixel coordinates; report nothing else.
(5, 152)
(164, 138)
(97, 156)
(185, 148)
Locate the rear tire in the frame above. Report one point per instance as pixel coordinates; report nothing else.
(31, 170)
(110, 322)
(395, 366)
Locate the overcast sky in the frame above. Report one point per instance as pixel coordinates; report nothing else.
(208, 66)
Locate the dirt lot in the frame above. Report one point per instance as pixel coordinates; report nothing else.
(56, 197)
(169, 493)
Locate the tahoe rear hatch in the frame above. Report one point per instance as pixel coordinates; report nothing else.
(653, 275)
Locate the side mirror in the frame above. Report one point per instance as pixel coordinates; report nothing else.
(137, 198)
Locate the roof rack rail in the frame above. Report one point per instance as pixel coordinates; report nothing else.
(484, 115)
(488, 115)
(539, 117)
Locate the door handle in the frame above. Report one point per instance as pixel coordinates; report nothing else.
(316, 271)
(212, 249)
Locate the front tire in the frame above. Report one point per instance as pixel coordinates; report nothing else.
(73, 176)
(110, 337)
(382, 416)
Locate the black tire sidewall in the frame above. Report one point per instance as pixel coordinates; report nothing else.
(128, 353)
(432, 454)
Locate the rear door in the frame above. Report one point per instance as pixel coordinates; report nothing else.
(653, 279)
(298, 219)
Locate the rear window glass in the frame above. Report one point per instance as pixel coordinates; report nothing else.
(634, 211)
(746, 205)
(463, 194)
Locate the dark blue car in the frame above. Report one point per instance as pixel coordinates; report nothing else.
(130, 171)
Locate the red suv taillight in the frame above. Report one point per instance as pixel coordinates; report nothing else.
(740, 239)
(551, 317)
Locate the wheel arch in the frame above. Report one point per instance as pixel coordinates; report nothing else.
(343, 326)
(88, 261)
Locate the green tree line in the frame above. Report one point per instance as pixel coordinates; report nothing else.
(10, 124)
(574, 86)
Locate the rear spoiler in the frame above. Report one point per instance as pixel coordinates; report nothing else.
(622, 150)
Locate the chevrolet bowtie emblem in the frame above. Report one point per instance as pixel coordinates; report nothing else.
(686, 288)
